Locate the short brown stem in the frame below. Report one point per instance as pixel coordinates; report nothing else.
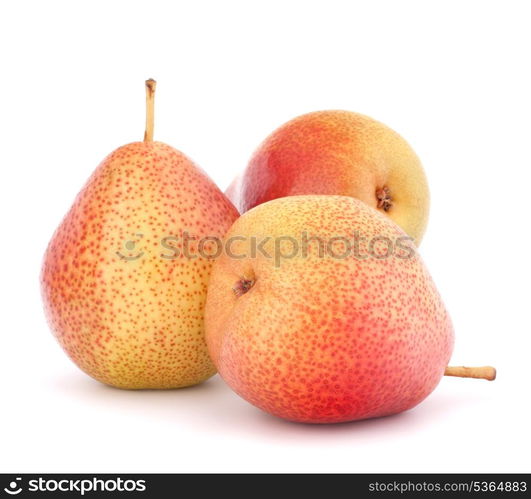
(150, 110)
(484, 372)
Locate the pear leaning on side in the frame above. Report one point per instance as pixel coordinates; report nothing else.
(340, 153)
(121, 295)
(334, 319)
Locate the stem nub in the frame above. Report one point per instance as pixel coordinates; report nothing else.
(384, 199)
(242, 286)
(485, 372)
(150, 110)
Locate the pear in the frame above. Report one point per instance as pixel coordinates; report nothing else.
(339, 153)
(323, 312)
(122, 296)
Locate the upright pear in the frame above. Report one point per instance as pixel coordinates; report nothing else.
(123, 289)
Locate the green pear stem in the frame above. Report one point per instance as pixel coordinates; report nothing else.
(150, 110)
(484, 372)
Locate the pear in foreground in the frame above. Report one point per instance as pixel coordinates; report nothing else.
(331, 333)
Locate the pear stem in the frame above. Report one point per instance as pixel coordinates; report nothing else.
(484, 372)
(150, 110)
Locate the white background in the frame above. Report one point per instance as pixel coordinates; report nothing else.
(452, 77)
